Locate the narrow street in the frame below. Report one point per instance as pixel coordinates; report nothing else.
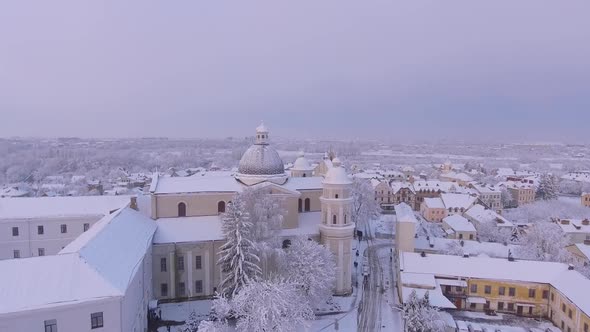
(376, 310)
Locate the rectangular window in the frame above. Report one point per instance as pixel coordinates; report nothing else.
(545, 294)
(500, 306)
(512, 291)
(563, 307)
(64, 228)
(40, 230)
(585, 327)
(51, 325)
(472, 306)
(164, 289)
(530, 310)
(180, 263)
(96, 320)
(510, 306)
(199, 286)
(532, 293)
(502, 290)
(198, 265)
(569, 313)
(474, 288)
(163, 265)
(16, 253)
(488, 289)
(86, 227)
(14, 231)
(41, 251)
(552, 297)
(181, 289)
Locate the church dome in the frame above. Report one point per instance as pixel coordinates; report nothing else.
(261, 159)
(261, 162)
(337, 174)
(301, 163)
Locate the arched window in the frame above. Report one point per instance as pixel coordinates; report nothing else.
(300, 205)
(286, 244)
(345, 219)
(334, 219)
(181, 209)
(456, 210)
(307, 205)
(336, 196)
(221, 207)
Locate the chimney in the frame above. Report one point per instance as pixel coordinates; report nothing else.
(565, 222)
(586, 222)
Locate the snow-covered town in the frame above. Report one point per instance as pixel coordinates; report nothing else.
(308, 166)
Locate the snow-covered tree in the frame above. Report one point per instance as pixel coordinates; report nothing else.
(213, 326)
(239, 262)
(490, 232)
(506, 197)
(419, 315)
(221, 308)
(544, 242)
(364, 206)
(548, 187)
(453, 248)
(191, 324)
(311, 267)
(271, 305)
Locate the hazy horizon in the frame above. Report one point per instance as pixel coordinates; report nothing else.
(420, 71)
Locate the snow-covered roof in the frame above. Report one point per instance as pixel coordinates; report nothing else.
(457, 200)
(304, 183)
(115, 245)
(482, 215)
(39, 282)
(404, 213)
(337, 175)
(456, 176)
(486, 189)
(568, 282)
(434, 185)
(188, 229)
(97, 266)
(51, 207)
(434, 203)
(13, 192)
(574, 226)
(194, 184)
(459, 224)
(308, 225)
(584, 249)
(301, 163)
(397, 186)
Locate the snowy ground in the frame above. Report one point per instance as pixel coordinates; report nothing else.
(384, 226)
(503, 322)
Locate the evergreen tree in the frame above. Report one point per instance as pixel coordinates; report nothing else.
(191, 324)
(548, 187)
(239, 263)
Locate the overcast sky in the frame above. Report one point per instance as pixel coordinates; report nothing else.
(405, 70)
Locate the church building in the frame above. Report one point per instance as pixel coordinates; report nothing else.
(187, 211)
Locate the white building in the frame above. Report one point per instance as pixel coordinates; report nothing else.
(102, 280)
(40, 226)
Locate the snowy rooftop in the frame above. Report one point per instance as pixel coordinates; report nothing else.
(397, 186)
(473, 248)
(459, 224)
(574, 226)
(457, 200)
(405, 213)
(434, 203)
(569, 283)
(98, 265)
(308, 225)
(304, 183)
(188, 229)
(584, 249)
(199, 183)
(50, 207)
(482, 215)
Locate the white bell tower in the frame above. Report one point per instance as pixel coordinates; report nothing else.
(336, 227)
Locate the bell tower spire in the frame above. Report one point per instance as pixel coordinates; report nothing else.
(261, 134)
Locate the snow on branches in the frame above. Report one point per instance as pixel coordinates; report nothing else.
(364, 206)
(239, 262)
(419, 315)
(311, 267)
(275, 305)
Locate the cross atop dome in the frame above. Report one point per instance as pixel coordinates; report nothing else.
(261, 134)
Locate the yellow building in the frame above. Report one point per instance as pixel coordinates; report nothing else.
(585, 199)
(553, 291)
